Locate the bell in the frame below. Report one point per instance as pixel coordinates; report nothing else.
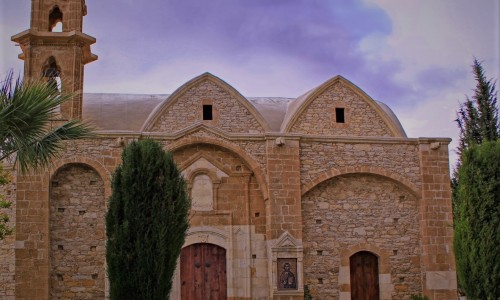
(51, 72)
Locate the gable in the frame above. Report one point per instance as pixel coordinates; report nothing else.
(228, 110)
(339, 108)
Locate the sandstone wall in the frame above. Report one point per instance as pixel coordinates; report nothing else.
(360, 210)
(229, 114)
(7, 262)
(239, 214)
(72, 14)
(77, 234)
(319, 157)
(254, 148)
(360, 118)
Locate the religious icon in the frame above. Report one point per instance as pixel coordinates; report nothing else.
(287, 270)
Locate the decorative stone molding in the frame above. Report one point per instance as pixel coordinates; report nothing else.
(251, 163)
(203, 179)
(156, 114)
(287, 246)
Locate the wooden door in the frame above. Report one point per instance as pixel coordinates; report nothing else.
(364, 276)
(203, 272)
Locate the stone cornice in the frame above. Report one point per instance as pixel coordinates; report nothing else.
(274, 135)
(33, 37)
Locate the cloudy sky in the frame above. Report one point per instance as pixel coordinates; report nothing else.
(414, 55)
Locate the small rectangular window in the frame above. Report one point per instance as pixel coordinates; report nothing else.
(207, 112)
(339, 115)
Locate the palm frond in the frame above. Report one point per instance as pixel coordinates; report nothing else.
(27, 111)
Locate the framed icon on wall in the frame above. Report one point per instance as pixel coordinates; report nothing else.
(287, 273)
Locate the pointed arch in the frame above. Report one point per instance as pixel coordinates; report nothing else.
(173, 98)
(239, 152)
(55, 16)
(51, 72)
(298, 106)
(202, 155)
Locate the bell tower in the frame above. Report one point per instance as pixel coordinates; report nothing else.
(55, 49)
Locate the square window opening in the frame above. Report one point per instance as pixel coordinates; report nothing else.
(207, 112)
(339, 115)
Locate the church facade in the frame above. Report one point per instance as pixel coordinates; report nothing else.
(323, 194)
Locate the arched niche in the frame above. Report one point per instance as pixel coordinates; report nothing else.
(356, 212)
(77, 207)
(55, 20)
(51, 73)
(202, 192)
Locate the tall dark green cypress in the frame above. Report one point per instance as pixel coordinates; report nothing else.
(477, 118)
(146, 223)
(476, 191)
(486, 98)
(477, 222)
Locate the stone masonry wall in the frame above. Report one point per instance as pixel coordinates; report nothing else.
(318, 157)
(231, 196)
(438, 260)
(7, 262)
(360, 209)
(77, 234)
(72, 14)
(360, 118)
(254, 148)
(68, 60)
(229, 114)
(105, 151)
(240, 211)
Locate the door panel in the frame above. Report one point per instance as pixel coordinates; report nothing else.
(364, 276)
(203, 272)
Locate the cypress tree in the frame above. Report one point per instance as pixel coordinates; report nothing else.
(477, 119)
(146, 223)
(476, 192)
(486, 98)
(477, 221)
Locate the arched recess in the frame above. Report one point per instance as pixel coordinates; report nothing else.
(174, 97)
(297, 107)
(51, 73)
(55, 18)
(104, 173)
(361, 212)
(239, 152)
(77, 207)
(361, 170)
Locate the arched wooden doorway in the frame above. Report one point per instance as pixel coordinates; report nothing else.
(364, 276)
(203, 272)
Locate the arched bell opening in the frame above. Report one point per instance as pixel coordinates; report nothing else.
(51, 73)
(55, 20)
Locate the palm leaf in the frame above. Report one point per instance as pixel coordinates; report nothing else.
(27, 113)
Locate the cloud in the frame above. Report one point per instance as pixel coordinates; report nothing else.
(317, 38)
(414, 56)
(440, 77)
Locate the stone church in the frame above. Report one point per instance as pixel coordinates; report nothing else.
(323, 194)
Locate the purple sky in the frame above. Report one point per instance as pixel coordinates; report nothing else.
(414, 55)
